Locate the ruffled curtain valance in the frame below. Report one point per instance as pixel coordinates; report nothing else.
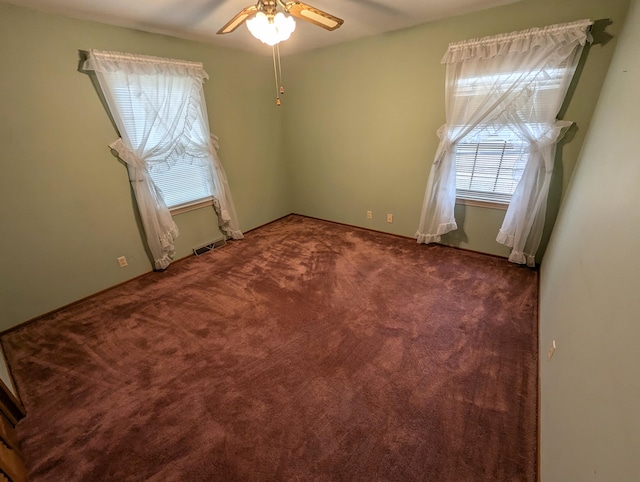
(555, 37)
(106, 61)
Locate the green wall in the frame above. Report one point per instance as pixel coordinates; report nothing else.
(66, 206)
(361, 118)
(589, 303)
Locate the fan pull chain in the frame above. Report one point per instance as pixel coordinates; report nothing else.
(275, 74)
(279, 68)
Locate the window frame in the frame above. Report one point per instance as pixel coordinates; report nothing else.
(205, 172)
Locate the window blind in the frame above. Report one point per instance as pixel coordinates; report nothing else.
(183, 183)
(489, 170)
(183, 179)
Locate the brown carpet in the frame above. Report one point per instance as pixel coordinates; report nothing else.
(309, 351)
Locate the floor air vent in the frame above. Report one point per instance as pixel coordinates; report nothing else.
(209, 247)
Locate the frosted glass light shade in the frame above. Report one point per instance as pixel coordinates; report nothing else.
(271, 32)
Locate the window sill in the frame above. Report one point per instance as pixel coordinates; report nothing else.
(185, 208)
(482, 204)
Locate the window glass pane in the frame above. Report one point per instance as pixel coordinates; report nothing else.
(491, 159)
(489, 164)
(184, 180)
(183, 183)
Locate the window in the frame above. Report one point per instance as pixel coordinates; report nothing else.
(490, 160)
(185, 180)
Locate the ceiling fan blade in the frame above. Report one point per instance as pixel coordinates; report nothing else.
(238, 20)
(313, 15)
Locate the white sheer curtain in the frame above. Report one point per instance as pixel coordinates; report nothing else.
(514, 81)
(171, 124)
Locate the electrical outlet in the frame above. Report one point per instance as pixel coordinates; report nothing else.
(122, 261)
(551, 351)
(389, 218)
(369, 214)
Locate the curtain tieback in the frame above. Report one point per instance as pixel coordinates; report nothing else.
(127, 155)
(444, 145)
(442, 133)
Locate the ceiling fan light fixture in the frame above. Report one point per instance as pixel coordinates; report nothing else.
(272, 27)
(271, 30)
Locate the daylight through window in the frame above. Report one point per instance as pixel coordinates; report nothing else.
(186, 179)
(490, 160)
(489, 166)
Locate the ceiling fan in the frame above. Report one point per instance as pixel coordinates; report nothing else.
(267, 10)
(272, 27)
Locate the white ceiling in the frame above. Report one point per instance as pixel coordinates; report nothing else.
(201, 19)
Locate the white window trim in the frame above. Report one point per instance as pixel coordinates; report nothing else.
(482, 204)
(191, 206)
